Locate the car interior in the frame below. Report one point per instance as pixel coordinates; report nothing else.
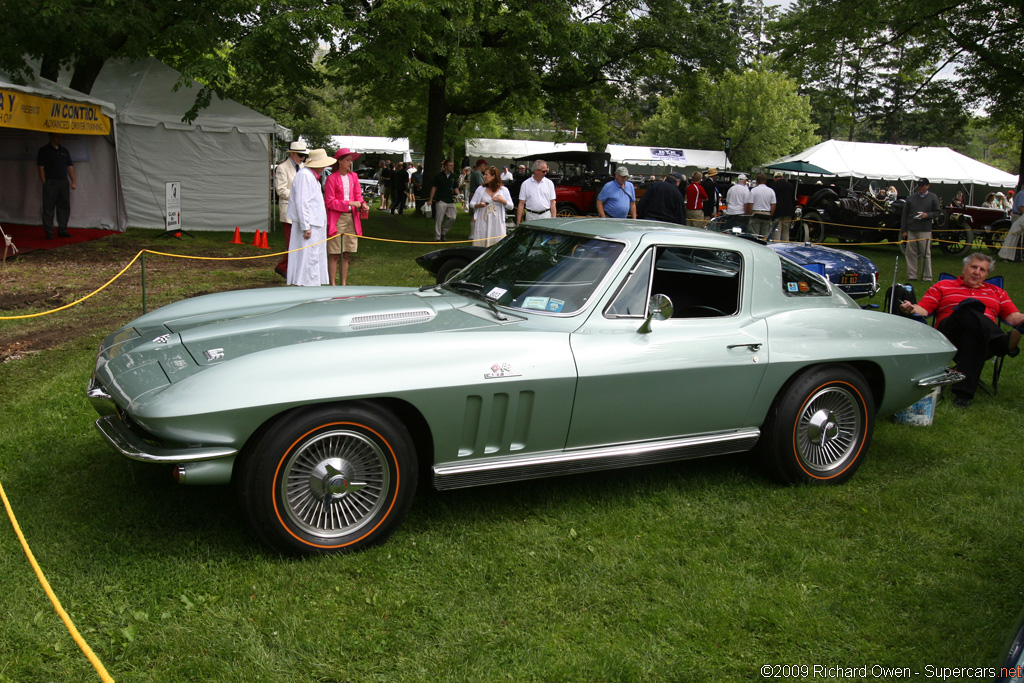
(702, 283)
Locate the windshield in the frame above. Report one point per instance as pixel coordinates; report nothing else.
(539, 270)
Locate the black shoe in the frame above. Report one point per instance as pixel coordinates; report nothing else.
(1013, 343)
(962, 402)
(64, 233)
(281, 270)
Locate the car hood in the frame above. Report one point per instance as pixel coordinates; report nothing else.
(181, 339)
(834, 259)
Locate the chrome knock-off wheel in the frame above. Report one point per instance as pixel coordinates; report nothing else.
(334, 483)
(820, 426)
(828, 430)
(332, 478)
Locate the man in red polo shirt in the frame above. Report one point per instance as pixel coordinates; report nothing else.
(968, 311)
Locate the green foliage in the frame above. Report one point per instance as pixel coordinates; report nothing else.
(759, 109)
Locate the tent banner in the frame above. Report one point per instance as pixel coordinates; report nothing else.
(668, 155)
(32, 112)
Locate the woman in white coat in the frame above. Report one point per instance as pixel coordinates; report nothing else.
(489, 203)
(308, 215)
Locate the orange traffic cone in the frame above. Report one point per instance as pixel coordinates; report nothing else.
(238, 236)
(256, 239)
(264, 243)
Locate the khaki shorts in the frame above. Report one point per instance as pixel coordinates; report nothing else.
(348, 241)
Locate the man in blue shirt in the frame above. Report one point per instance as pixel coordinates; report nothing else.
(617, 198)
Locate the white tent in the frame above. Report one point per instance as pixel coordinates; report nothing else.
(374, 145)
(644, 160)
(870, 160)
(222, 159)
(502, 152)
(87, 125)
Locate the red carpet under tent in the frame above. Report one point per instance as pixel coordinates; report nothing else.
(28, 238)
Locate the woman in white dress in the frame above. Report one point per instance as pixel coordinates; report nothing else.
(488, 204)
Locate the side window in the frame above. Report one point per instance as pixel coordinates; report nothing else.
(702, 283)
(631, 301)
(798, 281)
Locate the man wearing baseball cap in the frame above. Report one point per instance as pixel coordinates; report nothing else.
(617, 198)
(921, 209)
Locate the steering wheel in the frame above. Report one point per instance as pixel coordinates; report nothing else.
(699, 312)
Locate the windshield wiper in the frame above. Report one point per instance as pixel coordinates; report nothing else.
(475, 290)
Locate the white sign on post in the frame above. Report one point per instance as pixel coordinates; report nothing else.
(172, 192)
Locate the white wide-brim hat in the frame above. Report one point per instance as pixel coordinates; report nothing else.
(318, 159)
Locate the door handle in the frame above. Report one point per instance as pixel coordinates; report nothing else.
(753, 346)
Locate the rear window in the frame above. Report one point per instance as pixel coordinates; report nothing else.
(798, 281)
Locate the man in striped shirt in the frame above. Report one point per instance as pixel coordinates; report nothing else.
(968, 310)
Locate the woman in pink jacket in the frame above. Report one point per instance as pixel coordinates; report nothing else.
(345, 210)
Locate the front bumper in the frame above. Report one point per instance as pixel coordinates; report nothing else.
(128, 444)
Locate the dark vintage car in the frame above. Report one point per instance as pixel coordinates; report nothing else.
(578, 179)
(966, 226)
(852, 273)
(850, 215)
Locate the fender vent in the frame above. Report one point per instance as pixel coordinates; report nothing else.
(362, 322)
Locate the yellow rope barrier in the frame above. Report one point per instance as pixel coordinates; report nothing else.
(82, 645)
(221, 258)
(375, 239)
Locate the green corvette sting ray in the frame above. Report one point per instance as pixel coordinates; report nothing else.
(575, 344)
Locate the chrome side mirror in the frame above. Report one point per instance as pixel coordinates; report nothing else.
(659, 308)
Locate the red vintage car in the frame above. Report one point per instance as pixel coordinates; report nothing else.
(578, 179)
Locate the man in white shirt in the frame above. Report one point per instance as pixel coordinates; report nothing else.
(284, 174)
(737, 201)
(762, 200)
(506, 175)
(308, 216)
(536, 194)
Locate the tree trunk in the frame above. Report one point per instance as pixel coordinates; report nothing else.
(1020, 167)
(86, 71)
(437, 115)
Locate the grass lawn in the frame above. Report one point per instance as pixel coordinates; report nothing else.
(695, 571)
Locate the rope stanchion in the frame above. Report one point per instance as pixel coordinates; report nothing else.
(68, 624)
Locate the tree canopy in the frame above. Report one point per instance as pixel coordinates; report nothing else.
(758, 110)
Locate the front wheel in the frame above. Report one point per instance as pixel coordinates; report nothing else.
(813, 228)
(327, 479)
(819, 428)
(955, 242)
(566, 210)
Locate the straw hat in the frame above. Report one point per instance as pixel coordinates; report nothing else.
(318, 159)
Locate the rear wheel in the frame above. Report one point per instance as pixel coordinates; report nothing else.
(566, 209)
(820, 426)
(328, 479)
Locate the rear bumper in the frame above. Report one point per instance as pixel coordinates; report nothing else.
(949, 376)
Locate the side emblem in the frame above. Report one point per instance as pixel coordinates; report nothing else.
(162, 339)
(501, 370)
(214, 354)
